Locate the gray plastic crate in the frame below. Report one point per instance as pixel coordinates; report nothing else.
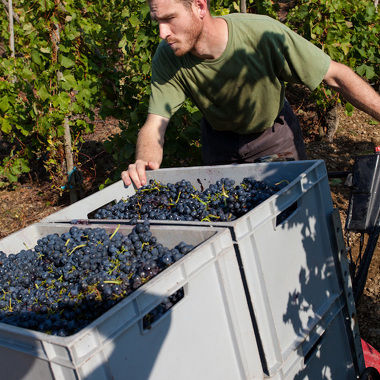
(292, 271)
(326, 346)
(201, 177)
(206, 335)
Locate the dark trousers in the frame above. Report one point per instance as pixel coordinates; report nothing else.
(226, 147)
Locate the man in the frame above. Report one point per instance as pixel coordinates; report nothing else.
(234, 68)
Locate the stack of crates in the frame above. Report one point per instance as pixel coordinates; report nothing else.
(281, 309)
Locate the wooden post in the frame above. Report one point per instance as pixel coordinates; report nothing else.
(69, 161)
(11, 31)
(15, 15)
(243, 6)
(55, 38)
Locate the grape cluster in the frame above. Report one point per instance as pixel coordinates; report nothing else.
(222, 201)
(66, 281)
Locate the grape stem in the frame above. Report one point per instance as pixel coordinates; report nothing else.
(115, 232)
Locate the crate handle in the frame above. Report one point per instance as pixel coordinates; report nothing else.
(151, 318)
(287, 213)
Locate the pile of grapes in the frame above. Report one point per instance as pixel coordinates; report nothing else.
(223, 201)
(66, 281)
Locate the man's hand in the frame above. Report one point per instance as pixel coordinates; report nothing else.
(149, 150)
(136, 172)
(353, 88)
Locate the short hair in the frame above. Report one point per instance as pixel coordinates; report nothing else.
(188, 3)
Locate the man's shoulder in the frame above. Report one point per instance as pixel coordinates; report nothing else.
(252, 21)
(248, 17)
(252, 16)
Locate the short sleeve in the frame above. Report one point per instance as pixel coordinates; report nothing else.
(167, 92)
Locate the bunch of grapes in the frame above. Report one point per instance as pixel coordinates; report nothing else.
(222, 201)
(69, 280)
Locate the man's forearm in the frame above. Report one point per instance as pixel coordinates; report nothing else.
(362, 96)
(354, 89)
(150, 140)
(149, 148)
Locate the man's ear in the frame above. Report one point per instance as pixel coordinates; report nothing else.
(201, 8)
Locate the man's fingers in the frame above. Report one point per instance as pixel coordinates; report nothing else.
(136, 173)
(125, 177)
(153, 165)
(131, 175)
(138, 176)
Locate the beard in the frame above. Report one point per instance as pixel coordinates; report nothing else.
(189, 40)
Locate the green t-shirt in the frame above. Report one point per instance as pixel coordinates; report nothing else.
(243, 90)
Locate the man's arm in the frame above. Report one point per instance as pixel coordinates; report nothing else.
(149, 150)
(353, 88)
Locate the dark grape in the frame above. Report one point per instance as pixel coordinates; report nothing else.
(69, 280)
(221, 201)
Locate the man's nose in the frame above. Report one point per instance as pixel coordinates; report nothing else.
(164, 30)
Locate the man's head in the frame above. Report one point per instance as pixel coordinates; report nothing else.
(180, 22)
(188, 3)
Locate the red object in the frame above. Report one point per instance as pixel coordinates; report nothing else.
(371, 356)
(377, 149)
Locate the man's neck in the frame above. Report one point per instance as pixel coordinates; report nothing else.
(213, 39)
